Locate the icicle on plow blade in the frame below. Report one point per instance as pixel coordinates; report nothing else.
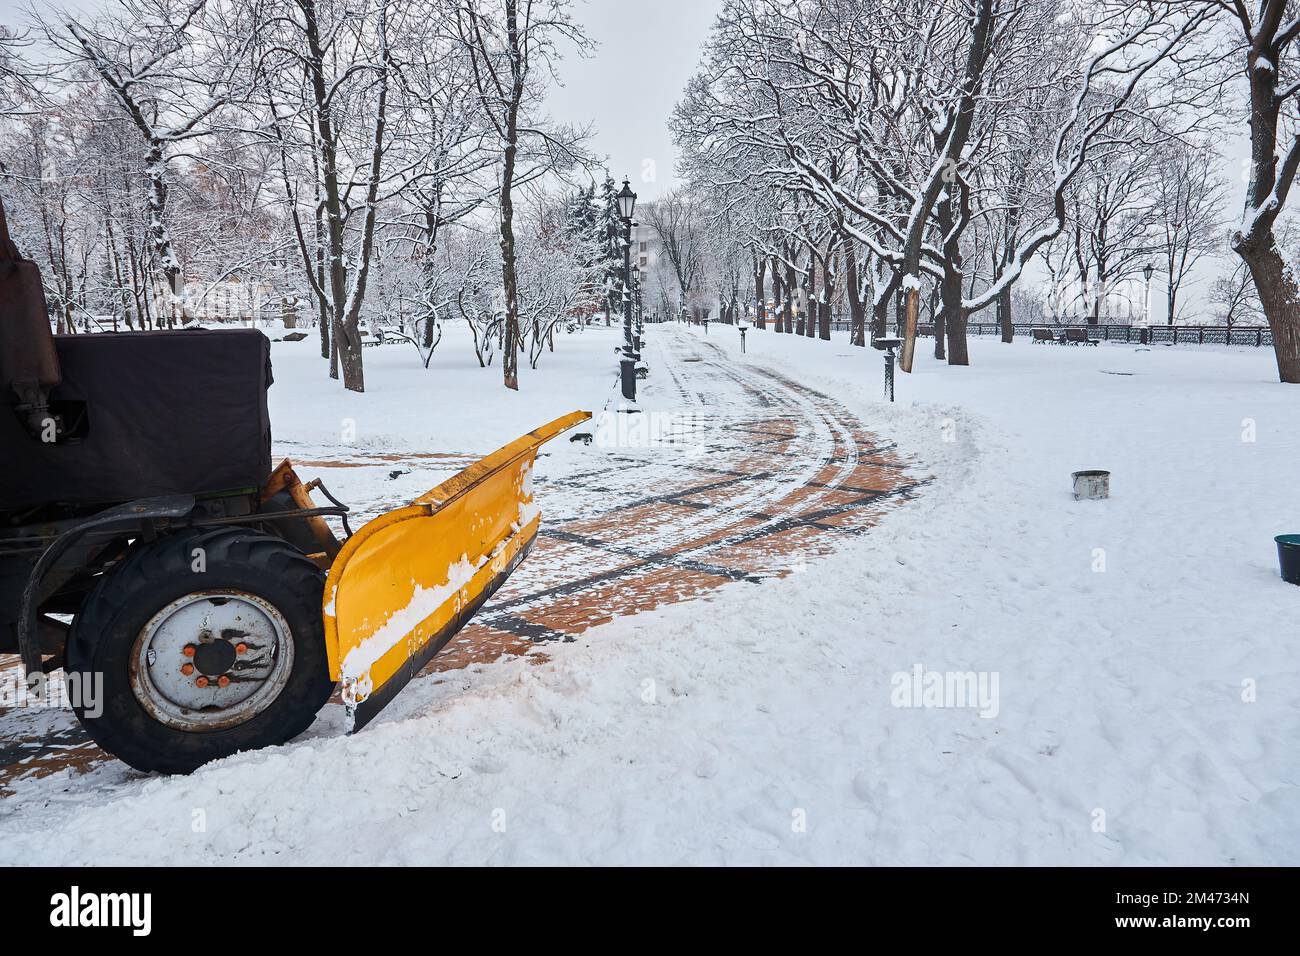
(407, 581)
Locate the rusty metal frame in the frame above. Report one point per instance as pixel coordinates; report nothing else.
(133, 514)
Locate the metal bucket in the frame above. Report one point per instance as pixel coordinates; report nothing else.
(1091, 484)
(1288, 557)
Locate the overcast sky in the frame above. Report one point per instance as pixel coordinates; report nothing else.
(646, 53)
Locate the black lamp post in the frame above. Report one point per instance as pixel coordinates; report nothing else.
(1146, 295)
(626, 203)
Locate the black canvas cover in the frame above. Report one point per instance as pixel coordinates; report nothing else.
(177, 412)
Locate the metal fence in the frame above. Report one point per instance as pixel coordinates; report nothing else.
(1133, 334)
(1147, 335)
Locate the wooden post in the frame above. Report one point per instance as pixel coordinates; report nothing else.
(909, 335)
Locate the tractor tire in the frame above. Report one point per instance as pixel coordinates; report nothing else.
(208, 643)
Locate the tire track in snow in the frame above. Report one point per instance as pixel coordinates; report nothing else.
(794, 471)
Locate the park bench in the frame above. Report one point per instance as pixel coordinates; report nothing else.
(384, 335)
(1078, 336)
(1042, 335)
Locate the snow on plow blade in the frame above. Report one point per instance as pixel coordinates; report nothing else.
(407, 581)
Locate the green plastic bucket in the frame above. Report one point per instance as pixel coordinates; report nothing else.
(1288, 557)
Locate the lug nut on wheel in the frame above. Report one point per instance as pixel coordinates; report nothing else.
(188, 650)
(187, 669)
(223, 680)
(201, 682)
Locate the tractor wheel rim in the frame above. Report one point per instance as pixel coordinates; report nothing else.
(211, 660)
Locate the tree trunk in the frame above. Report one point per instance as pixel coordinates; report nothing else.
(334, 348)
(1006, 319)
(810, 299)
(345, 344)
(518, 64)
(857, 312)
(880, 312)
(353, 372)
(1280, 299)
(952, 318)
(879, 320)
(322, 306)
(147, 319)
(791, 290)
(140, 300)
(958, 349)
(350, 363)
(760, 292)
(1273, 172)
(778, 300)
(939, 324)
(953, 216)
(828, 295)
(158, 234)
(323, 317)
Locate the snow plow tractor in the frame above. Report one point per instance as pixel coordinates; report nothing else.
(149, 549)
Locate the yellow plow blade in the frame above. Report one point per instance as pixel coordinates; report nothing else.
(407, 581)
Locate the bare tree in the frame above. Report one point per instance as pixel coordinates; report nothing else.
(1108, 236)
(18, 78)
(446, 141)
(878, 111)
(170, 67)
(559, 270)
(675, 218)
(1235, 298)
(1270, 29)
(327, 71)
(1189, 197)
(513, 46)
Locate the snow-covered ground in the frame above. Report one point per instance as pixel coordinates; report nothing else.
(1132, 661)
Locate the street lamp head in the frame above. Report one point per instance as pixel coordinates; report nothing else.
(626, 200)
(1148, 270)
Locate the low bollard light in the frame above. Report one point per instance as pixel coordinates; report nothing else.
(627, 376)
(888, 345)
